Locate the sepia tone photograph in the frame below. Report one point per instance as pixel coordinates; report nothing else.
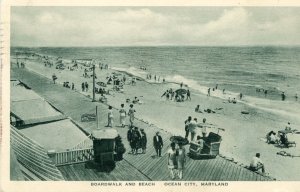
(176, 94)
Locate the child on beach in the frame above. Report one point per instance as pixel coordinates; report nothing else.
(122, 115)
(131, 114)
(110, 117)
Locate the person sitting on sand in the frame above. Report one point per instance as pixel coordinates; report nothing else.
(271, 138)
(288, 127)
(234, 101)
(136, 100)
(257, 164)
(197, 108)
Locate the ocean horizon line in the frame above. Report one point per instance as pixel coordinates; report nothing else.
(121, 46)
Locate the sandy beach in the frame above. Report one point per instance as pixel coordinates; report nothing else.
(244, 133)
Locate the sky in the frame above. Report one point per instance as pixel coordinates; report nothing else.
(154, 26)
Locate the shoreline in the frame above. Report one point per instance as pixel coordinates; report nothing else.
(171, 110)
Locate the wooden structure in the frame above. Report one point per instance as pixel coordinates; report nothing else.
(210, 148)
(104, 145)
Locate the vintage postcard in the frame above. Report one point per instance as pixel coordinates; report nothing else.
(144, 96)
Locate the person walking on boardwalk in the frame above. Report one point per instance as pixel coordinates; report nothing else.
(110, 116)
(136, 140)
(186, 126)
(143, 141)
(86, 86)
(122, 115)
(172, 162)
(130, 138)
(192, 128)
(131, 115)
(158, 144)
(181, 159)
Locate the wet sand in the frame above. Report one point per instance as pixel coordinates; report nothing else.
(243, 133)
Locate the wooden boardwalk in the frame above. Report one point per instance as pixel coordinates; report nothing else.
(133, 167)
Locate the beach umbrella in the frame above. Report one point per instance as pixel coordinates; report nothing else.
(181, 91)
(102, 84)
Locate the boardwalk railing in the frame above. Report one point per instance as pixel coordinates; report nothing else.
(74, 156)
(87, 143)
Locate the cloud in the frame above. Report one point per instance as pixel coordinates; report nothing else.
(147, 26)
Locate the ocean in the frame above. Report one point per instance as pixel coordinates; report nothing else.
(235, 69)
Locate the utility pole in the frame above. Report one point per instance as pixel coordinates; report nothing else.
(94, 83)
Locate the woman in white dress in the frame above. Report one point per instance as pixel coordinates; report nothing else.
(110, 117)
(181, 158)
(172, 162)
(122, 115)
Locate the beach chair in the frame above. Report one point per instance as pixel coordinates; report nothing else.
(210, 149)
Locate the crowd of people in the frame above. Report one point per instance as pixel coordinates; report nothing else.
(178, 95)
(137, 139)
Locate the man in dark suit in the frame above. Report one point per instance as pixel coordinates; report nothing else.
(158, 144)
(130, 139)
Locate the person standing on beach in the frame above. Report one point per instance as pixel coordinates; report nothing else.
(241, 96)
(186, 126)
(122, 115)
(266, 92)
(72, 86)
(172, 163)
(110, 117)
(282, 96)
(181, 159)
(143, 141)
(181, 84)
(208, 92)
(131, 115)
(158, 144)
(54, 78)
(188, 95)
(82, 87)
